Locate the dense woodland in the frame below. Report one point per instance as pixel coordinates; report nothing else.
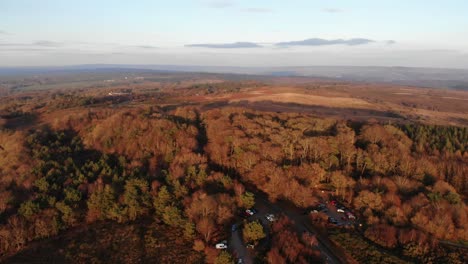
(194, 170)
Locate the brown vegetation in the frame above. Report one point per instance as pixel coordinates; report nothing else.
(86, 159)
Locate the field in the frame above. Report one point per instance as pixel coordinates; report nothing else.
(353, 101)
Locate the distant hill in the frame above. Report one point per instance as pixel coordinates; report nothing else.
(425, 77)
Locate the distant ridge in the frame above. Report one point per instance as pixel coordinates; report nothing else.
(425, 77)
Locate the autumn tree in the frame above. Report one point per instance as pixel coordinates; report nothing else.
(224, 258)
(248, 200)
(253, 231)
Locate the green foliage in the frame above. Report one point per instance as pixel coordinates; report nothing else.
(66, 211)
(136, 198)
(441, 138)
(189, 230)
(161, 200)
(253, 231)
(42, 185)
(102, 205)
(452, 198)
(72, 196)
(172, 216)
(248, 199)
(224, 258)
(434, 196)
(28, 209)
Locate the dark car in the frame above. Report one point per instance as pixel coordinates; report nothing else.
(332, 220)
(233, 227)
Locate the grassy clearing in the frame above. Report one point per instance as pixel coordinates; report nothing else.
(109, 242)
(361, 250)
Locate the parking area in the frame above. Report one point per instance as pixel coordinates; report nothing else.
(266, 213)
(237, 247)
(337, 213)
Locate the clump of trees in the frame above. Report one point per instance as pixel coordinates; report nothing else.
(287, 247)
(253, 231)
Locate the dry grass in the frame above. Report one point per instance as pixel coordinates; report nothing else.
(308, 99)
(431, 106)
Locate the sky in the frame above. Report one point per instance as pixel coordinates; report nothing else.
(413, 33)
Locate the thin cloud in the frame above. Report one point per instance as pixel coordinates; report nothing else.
(332, 10)
(47, 43)
(2, 32)
(235, 45)
(325, 42)
(24, 49)
(146, 47)
(390, 42)
(257, 10)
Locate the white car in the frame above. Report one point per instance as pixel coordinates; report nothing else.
(350, 215)
(221, 245)
(339, 210)
(249, 212)
(270, 217)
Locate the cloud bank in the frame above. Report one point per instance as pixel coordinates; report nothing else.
(325, 42)
(47, 43)
(235, 45)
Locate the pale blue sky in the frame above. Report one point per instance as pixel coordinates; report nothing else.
(431, 33)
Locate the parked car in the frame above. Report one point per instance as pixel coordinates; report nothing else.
(340, 210)
(250, 246)
(333, 202)
(270, 217)
(332, 220)
(233, 227)
(249, 212)
(222, 245)
(350, 215)
(240, 261)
